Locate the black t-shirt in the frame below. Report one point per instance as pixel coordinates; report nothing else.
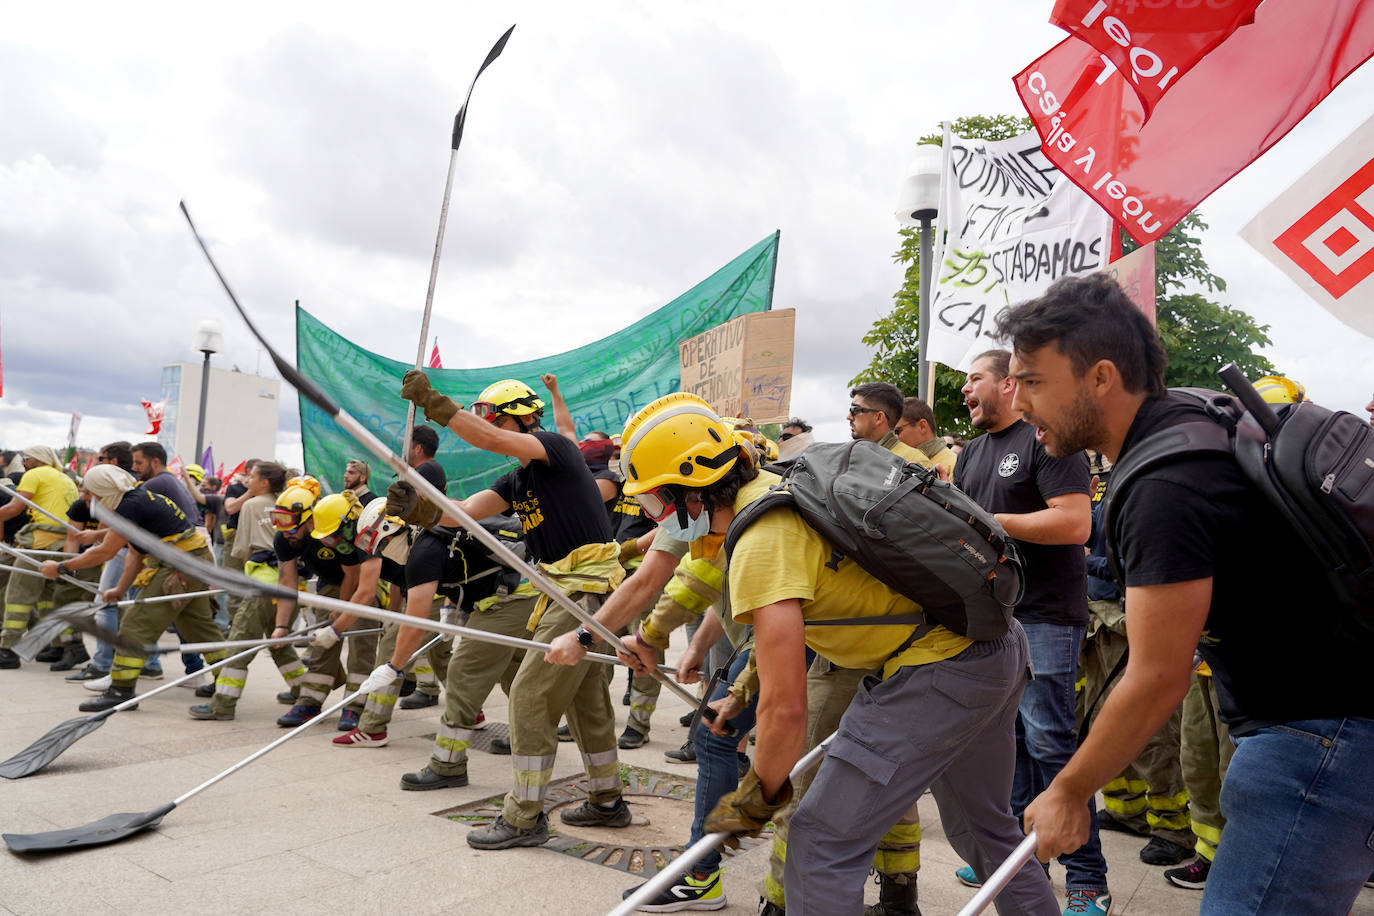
(458, 562)
(326, 562)
(1280, 648)
(234, 489)
(366, 496)
(433, 471)
(558, 503)
(628, 519)
(79, 514)
(153, 512)
(13, 525)
(166, 483)
(1009, 471)
(214, 505)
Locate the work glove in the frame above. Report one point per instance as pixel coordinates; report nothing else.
(325, 638)
(629, 550)
(744, 812)
(380, 679)
(404, 501)
(416, 389)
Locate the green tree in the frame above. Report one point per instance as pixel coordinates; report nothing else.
(1199, 334)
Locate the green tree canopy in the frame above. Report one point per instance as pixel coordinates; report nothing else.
(1200, 335)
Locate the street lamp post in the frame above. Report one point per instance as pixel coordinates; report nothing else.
(209, 339)
(918, 203)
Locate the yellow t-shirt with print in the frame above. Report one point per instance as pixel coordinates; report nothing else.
(780, 557)
(55, 492)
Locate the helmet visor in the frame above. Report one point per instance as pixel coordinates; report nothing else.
(284, 519)
(659, 502)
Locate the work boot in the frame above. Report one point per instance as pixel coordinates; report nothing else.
(896, 896)
(590, 814)
(288, 697)
(631, 739)
(1160, 851)
(1106, 821)
(427, 779)
(206, 711)
(48, 654)
(564, 733)
(298, 715)
(71, 657)
(112, 696)
(501, 835)
(88, 673)
(205, 691)
(9, 658)
(407, 687)
(769, 908)
(419, 700)
(500, 747)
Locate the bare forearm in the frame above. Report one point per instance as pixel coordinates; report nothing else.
(781, 741)
(1046, 526)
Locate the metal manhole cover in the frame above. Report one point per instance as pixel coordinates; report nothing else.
(661, 802)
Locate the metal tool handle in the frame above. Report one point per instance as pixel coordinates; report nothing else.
(1000, 878)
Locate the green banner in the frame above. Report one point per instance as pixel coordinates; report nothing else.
(603, 382)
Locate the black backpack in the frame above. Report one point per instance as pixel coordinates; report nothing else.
(917, 534)
(1316, 466)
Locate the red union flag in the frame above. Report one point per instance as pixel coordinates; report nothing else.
(1238, 101)
(1153, 42)
(1321, 231)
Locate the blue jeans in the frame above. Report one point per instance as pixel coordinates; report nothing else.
(1299, 809)
(1046, 737)
(717, 765)
(108, 617)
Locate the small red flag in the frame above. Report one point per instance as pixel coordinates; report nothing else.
(434, 362)
(1238, 101)
(1155, 46)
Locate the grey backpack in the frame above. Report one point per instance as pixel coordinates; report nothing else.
(917, 534)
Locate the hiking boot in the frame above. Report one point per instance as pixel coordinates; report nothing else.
(357, 738)
(1160, 851)
(206, 711)
(742, 763)
(427, 779)
(205, 690)
(689, 892)
(564, 733)
(1192, 876)
(1106, 822)
(685, 754)
(631, 739)
(288, 697)
(88, 673)
(500, 747)
(590, 814)
(419, 700)
(48, 654)
(154, 674)
(298, 715)
(348, 720)
(71, 657)
(501, 835)
(98, 684)
(896, 896)
(1078, 902)
(112, 696)
(686, 720)
(9, 658)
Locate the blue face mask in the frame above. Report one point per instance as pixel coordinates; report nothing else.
(696, 528)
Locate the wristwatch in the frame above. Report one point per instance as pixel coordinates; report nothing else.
(585, 639)
(62, 570)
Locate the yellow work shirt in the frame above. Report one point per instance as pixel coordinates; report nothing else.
(780, 557)
(55, 492)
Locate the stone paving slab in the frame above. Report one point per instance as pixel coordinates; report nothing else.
(313, 828)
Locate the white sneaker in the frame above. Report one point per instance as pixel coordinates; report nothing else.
(98, 685)
(194, 682)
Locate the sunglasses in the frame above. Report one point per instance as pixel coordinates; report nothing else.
(855, 410)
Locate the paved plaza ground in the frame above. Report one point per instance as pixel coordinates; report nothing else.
(313, 828)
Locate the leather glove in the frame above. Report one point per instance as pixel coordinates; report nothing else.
(629, 550)
(325, 638)
(403, 500)
(744, 812)
(380, 679)
(415, 388)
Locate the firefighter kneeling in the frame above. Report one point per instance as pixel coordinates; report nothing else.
(940, 714)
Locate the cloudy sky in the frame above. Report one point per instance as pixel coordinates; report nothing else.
(615, 155)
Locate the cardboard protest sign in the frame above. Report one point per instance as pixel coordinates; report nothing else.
(743, 368)
(1135, 274)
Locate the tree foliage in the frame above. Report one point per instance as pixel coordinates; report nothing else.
(1200, 335)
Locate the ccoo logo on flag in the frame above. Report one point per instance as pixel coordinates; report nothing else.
(1333, 243)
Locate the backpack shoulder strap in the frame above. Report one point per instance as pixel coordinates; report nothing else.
(1164, 447)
